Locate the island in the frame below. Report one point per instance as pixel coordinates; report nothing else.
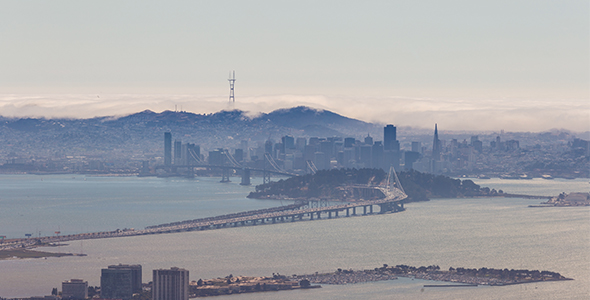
(456, 277)
(481, 276)
(334, 183)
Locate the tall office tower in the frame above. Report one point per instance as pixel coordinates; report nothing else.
(417, 147)
(120, 281)
(244, 146)
(217, 157)
(268, 146)
(288, 142)
(314, 141)
(390, 141)
(135, 275)
(365, 155)
(368, 140)
(300, 143)
(436, 145)
(177, 152)
(349, 142)
(377, 155)
(170, 284)
(167, 148)
(74, 289)
(239, 155)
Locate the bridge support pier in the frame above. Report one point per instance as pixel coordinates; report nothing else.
(265, 177)
(364, 210)
(347, 212)
(225, 175)
(245, 177)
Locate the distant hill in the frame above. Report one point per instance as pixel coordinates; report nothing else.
(141, 134)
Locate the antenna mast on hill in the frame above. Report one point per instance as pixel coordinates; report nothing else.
(232, 81)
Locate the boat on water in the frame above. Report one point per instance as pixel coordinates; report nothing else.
(548, 177)
(525, 176)
(483, 176)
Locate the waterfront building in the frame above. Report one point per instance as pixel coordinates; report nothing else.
(116, 284)
(135, 275)
(170, 284)
(120, 281)
(74, 289)
(167, 148)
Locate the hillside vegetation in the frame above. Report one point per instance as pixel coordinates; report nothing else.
(325, 183)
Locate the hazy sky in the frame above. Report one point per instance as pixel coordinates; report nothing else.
(514, 65)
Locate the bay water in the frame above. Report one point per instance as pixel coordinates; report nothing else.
(471, 233)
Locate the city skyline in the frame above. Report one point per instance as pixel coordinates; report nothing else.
(519, 66)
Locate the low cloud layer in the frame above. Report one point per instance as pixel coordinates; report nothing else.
(450, 114)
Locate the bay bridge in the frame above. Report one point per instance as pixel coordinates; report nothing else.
(270, 167)
(371, 200)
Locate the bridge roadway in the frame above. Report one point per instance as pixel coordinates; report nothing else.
(392, 203)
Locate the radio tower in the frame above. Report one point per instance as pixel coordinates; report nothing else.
(232, 81)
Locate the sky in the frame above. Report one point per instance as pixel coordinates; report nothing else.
(475, 65)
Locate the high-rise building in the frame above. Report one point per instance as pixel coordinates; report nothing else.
(390, 141)
(120, 281)
(167, 148)
(349, 142)
(135, 275)
(170, 284)
(74, 289)
(377, 155)
(436, 145)
(368, 140)
(177, 152)
(300, 143)
(288, 142)
(417, 147)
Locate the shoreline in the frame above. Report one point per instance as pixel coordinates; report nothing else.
(463, 276)
(14, 254)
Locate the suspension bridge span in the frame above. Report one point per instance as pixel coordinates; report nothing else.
(392, 201)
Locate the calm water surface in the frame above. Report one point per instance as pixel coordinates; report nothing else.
(482, 232)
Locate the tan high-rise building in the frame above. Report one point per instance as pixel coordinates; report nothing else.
(170, 284)
(74, 289)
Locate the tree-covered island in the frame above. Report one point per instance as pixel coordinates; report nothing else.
(332, 184)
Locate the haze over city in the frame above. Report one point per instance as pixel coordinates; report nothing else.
(517, 66)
